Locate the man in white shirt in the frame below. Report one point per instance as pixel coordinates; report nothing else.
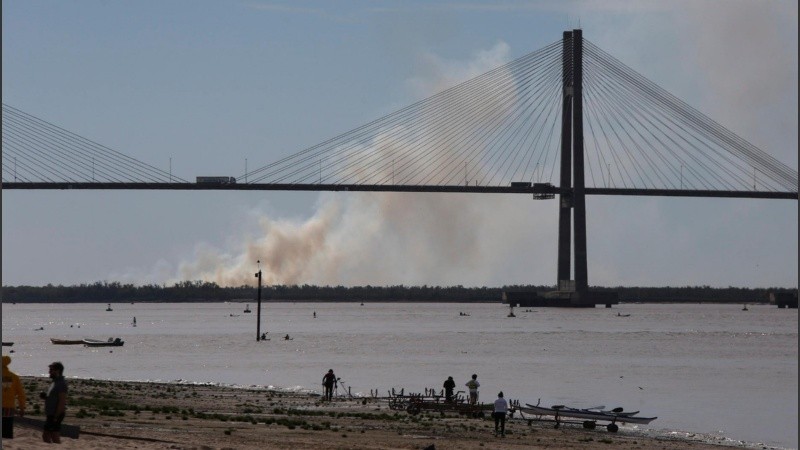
(500, 410)
(473, 386)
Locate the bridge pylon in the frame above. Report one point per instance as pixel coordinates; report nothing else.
(572, 199)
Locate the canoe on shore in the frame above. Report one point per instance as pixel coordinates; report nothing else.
(66, 341)
(586, 414)
(111, 342)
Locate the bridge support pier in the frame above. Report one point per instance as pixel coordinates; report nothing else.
(572, 200)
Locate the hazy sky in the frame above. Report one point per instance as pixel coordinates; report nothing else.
(210, 84)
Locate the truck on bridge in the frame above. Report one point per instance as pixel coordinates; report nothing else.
(216, 180)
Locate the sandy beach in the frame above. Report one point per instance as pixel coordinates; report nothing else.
(133, 415)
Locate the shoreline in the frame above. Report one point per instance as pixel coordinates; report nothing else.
(182, 415)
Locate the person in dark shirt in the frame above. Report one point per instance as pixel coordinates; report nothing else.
(55, 404)
(329, 381)
(449, 385)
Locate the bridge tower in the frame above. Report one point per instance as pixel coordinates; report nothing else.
(572, 200)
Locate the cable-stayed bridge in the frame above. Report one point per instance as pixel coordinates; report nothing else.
(567, 120)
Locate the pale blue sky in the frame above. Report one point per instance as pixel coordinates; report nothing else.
(212, 83)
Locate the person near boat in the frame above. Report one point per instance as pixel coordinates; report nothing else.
(473, 386)
(499, 414)
(449, 385)
(328, 382)
(13, 399)
(55, 404)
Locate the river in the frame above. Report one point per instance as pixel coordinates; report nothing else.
(710, 371)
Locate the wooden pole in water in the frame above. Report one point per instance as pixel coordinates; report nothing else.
(258, 312)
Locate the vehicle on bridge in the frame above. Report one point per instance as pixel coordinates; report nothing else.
(216, 180)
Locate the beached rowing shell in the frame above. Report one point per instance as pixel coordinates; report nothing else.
(585, 414)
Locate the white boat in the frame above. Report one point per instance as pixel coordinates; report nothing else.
(590, 417)
(111, 342)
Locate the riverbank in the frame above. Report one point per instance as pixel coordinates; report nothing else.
(150, 416)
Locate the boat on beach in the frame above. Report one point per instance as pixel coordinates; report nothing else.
(111, 342)
(589, 417)
(66, 341)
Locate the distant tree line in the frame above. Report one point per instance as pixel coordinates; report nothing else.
(200, 291)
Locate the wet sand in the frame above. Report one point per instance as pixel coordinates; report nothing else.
(149, 416)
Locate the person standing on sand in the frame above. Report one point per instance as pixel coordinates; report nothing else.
(473, 386)
(12, 391)
(329, 381)
(449, 385)
(499, 414)
(55, 404)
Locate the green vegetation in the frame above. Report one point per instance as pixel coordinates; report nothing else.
(199, 291)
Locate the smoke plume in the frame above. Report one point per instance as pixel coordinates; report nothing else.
(382, 238)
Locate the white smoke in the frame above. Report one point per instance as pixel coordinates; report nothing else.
(736, 62)
(754, 90)
(717, 57)
(388, 238)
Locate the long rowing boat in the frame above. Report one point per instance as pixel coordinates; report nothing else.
(560, 411)
(66, 341)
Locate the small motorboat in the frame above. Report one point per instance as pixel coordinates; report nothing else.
(111, 342)
(66, 341)
(7, 344)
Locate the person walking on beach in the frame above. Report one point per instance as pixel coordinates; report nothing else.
(473, 386)
(449, 385)
(13, 395)
(55, 404)
(329, 381)
(499, 414)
